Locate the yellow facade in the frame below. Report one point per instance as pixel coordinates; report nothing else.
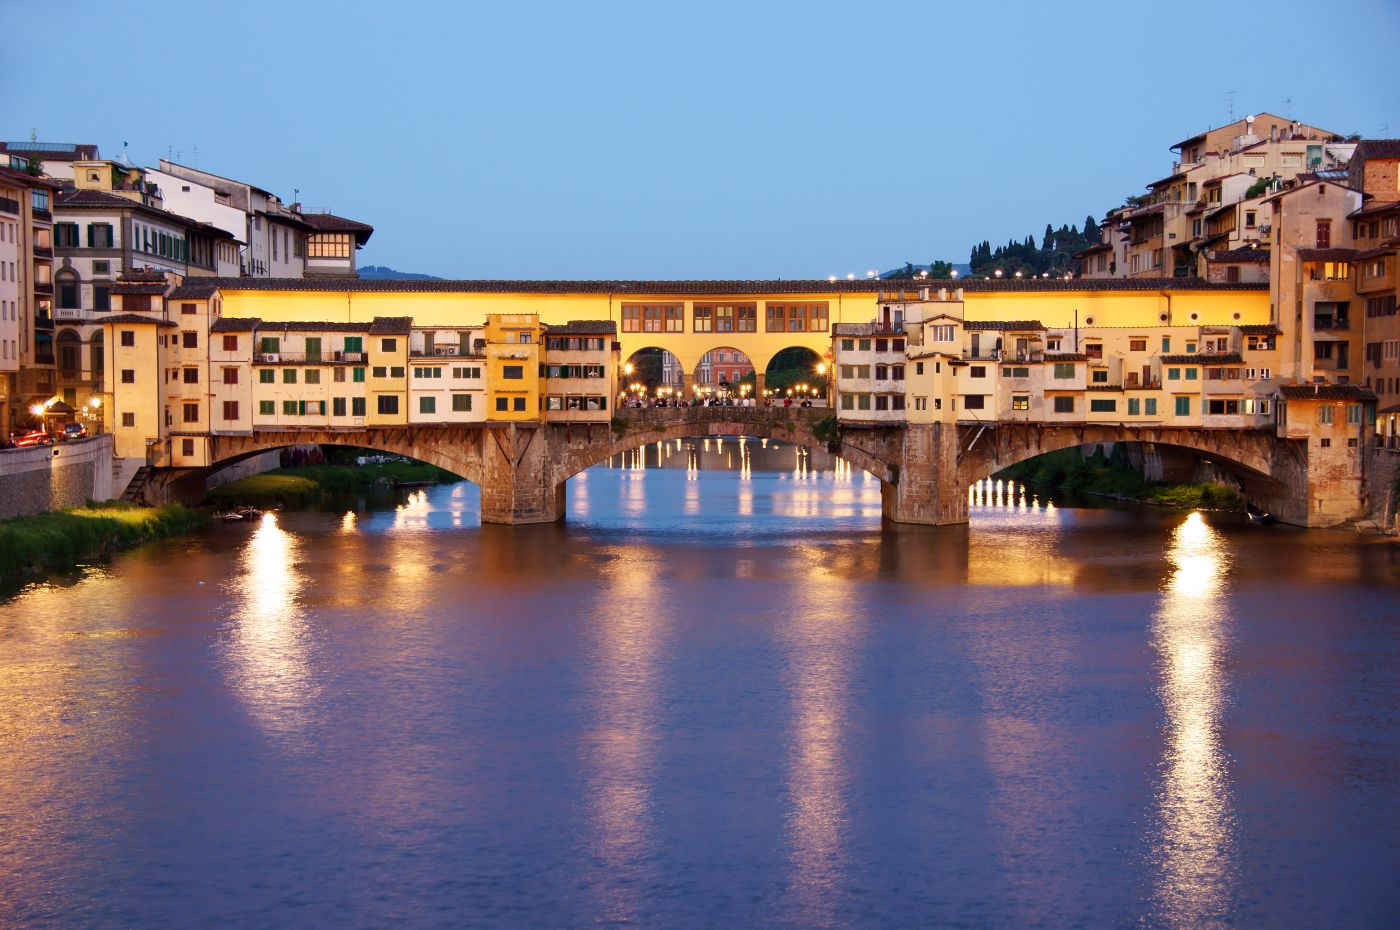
(135, 410)
(513, 367)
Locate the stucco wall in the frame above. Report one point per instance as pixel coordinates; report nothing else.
(53, 477)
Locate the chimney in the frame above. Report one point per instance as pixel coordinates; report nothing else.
(923, 292)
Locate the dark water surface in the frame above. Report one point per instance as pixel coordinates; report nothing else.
(711, 699)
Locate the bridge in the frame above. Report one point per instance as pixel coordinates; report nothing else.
(924, 470)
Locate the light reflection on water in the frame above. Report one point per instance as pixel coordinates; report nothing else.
(1194, 847)
(709, 699)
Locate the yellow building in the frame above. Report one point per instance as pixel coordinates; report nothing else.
(513, 367)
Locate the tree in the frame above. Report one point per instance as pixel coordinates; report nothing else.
(940, 270)
(1048, 242)
(1091, 230)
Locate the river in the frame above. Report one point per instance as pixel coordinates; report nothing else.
(720, 695)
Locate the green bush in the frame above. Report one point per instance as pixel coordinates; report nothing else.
(294, 487)
(1114, 475)
(57, 540)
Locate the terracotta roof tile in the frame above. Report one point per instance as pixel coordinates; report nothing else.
(1019, 326)
(1326, 392)
(591, 327)
(391, 326)
(138, 318)
(229, 324)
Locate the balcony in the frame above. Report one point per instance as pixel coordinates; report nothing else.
(307, 358)
(43, 321)
(447, 351)
(73, 315)
(1331, 324)
(40, 214)
(9, 206)
(43, 251)
(43, 287)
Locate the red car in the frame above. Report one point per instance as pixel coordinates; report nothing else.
(35, 437)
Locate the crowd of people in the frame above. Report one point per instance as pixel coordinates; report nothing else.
(639, 402)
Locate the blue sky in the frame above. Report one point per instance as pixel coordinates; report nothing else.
(668, 140)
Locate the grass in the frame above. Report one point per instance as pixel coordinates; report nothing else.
(48, 541)
(1112, 475)
(294, 487)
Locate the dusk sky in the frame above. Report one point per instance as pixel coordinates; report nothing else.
(660, 140)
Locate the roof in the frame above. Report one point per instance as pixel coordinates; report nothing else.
(1375, 208)
(1242, 254)
(1325, 392)
(592, 327)
(1066, 357)
(1377, 148)
(136, 288)
(230, 324)
(329, 222)
(52, 151)
(391, 325)
(317, 326)
(719, 287)
(1004, 325)
(863, 329)
(142, 274)
(1219, 358)
(1327, 255)
(1260, 329)
(194, 289)
(102, 199)
(138, 318)
(1168, 179)
(1094, 249)
(27, 180)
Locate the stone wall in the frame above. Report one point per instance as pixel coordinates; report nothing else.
(1382, 467)
(44, 478)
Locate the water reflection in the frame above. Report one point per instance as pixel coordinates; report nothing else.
(268, 651)
(822, 641)
(620, 748)
(1194, 843)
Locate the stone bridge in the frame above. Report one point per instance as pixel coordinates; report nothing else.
(924, 470)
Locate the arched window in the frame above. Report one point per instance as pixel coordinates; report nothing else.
(70, 349)
(66, 283)
(96, 360)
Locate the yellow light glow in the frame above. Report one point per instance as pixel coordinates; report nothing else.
(37, 410)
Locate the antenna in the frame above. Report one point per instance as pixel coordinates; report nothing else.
(1230, 96)
(194, 157)
(1288, 108)
(34, 135)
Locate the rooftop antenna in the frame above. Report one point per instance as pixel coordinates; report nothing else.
(1230, 96)
(1288, 108)
(194, 157)
(34, 135)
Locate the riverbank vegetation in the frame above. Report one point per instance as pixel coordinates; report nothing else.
(51, 541)
(306, 484)
(1114, 476)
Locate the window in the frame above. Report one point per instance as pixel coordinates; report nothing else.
(427, 405)
(918, 368)
(978, 371)
(470, 371)
(1099, 376)
(65, 235)
(189, 340)
(230, 343)
(1102, 405)
(191, 413)
(338, 375)
(128, 420)
(380, 371)
(1166, 343)
(653, 318)
(101, 297)
(862, 401)
(1183, 406)
(513, 372)
(1223, 407)
(942, 332)
(1137, 345)
(974, 402)
(128, 337)
(191, 375)
(1191, 374)
(502, 404)
(882, 402)
(896, 372)
(396, 371)
(1325, 443)
(388, 404)
(882, 372)
(1020, 402)
(354, 344)
(290, 408)
(313, 376)
(128, 376)
(882, 345)
(357, 375)
(461, 403)
(289, 376)
(519, 403)
(848, 345)
(357, 406)
(1353, 414)
(389, 345)
(1064, 404)
(230, 375)
(266, 376)
(1149, 406)
(1190, 346)
(1064, 370)
(337, 406)
(1134, 406)
(797, 318)
(1173, 374)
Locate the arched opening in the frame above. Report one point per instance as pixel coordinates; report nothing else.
(96, 359)
(652, 373)
(66, 290)
(799, 373)
(70, 348)
(725, 372)
(1146, 472)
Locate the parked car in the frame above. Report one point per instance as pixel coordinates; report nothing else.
(73, 431)
(35, 437)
